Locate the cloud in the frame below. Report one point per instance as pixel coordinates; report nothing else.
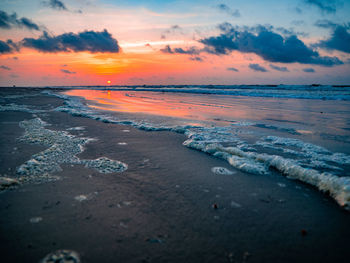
(90, 41)
(14, 75)
(196, 58)
(298, 10)
(339, 40)
(327, 6)
(4, 47)
(9, 21)
(66, 71)
(309, 70)
(325, 23)
(282, 69)
(55, 4)
(267, 44)
(5, 67)
(290, 32)
(233, 69)
(189, 51)
(226, 9)
(8, 47)
(173, 29)
(257, 67)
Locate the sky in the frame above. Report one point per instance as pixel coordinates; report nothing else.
(174, 42)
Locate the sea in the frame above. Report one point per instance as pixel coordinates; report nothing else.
(299, 131)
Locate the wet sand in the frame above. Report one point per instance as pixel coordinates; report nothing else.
(161, 208)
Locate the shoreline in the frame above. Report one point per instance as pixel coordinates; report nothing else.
(161, 208)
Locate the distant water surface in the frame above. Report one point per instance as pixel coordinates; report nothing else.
(303, 138)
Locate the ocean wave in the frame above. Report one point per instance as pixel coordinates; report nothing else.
(309, 163)
(323, 92)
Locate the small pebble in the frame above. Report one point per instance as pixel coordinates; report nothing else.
(35, 220)
(303, 232)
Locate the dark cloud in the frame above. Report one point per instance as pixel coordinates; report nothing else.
(257, 67)
(5, 67)
(28, 23)
(339, 40)
(90, 41)
(196, 58)
(290, 32)
(282, 69)
(309, 70)
(233, 69)
(189, 51)
(327, 6)
(325, 23)
(167, 49)
(226, 9)
(8, 21)
(8, 47)
(298, 10)
(66, 71)
(173, 29)
(4, 47)
(267, 44)
(55, 4)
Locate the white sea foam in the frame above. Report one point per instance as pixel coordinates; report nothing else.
(62, 149)
(76, 129)
(15, 107)
(221, 171)
(226, 143)
(62, 256)
(235, 205)
(81, 198)
(35, 220)
(316, 156)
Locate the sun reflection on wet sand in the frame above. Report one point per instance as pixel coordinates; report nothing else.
(183, 106)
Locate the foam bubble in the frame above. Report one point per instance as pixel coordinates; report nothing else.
(35, 220)
(81, 198)
(221, 171)
(105, 165)
(76, 129)
(6, 183)
(62, 256)
(235, 205)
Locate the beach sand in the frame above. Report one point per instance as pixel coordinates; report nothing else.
(161, 209)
